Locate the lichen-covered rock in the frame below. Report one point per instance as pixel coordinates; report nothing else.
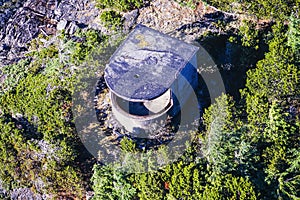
(130, 19)
(166, 16)
(3, 192)
(181, 21)
(7, 9)
(22, 21)
(25, 193)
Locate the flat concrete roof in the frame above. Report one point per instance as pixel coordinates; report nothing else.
(146, 64)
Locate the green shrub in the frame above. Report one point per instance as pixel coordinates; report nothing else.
(35, 110)
(294, 34)
(149, 185)
(229, 187)
(121, 5)
(109, 182)
(271, 128)
(262, 9)
(111, 19)
(14, 73)
(43, 101)
(111, 16)
(189, 3)
(249, 34)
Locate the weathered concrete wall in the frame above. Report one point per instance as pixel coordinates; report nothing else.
(132, 122)
(184, 85)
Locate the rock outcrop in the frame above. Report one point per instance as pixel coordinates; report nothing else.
(22, 21)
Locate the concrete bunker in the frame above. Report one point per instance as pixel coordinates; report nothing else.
(150, 75)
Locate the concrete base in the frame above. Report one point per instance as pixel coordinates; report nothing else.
(134, 121)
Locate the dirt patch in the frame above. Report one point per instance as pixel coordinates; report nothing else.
(167, 15)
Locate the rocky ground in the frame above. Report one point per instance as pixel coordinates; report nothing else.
(23, 20)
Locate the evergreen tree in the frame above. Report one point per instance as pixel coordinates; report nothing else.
(109, 182)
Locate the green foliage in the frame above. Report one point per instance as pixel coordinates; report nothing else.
(41, 54)
(272, 130)
(189, 3)
(275, 78)
(39, 97)
(109, 182)
(121, 5)
(272, 9)
(289, 181)
(181, 180)
(45, 103)
(248, 149)
(81, 49)
(282, 140)
(229, 187)
(250, 35)
(111, 15)
(127, 145)
(64, 178)
(38, 139)
(294, 34)
(261, 146)
(64, 51)
(12, 142)
(223, 144)
(14, 73)
(184, 179)
(111, 19)
(149, 185)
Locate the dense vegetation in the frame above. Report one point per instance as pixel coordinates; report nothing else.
(245, 149)
(39, 144)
